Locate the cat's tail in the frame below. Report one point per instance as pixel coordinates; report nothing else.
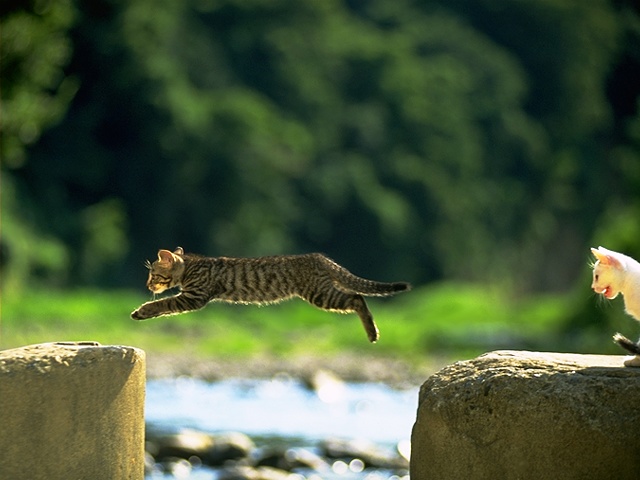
(346, 281)
(370, 288)
(627, 344)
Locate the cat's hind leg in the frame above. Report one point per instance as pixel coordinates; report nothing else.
(338, 301)
(358, 305)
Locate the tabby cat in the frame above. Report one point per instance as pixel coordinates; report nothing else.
(615, 273)
(312, 277)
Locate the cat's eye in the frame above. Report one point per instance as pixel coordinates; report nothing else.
(596, 277)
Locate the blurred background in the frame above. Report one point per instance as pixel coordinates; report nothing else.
(474, 148)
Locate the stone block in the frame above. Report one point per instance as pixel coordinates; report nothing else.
(72, 411)
(529, 415)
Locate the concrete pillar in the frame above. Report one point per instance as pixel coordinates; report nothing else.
(529, 415)
(72, 411)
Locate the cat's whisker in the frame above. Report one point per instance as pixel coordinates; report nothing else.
(599, 299)
(602, 302)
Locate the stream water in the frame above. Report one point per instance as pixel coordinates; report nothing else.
(282, 411)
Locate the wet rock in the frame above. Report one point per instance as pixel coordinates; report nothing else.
(371, 454)
(149, 463)
(512, 415)
(303, 458)
(177, 467)
(292, 459)
(184, 444)
(255, 473)
(227, 447)
(212, 450)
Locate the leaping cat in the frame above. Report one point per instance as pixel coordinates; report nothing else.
(312, 277)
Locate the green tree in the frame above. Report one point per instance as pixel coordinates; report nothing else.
(34, 95)
(35, 91)
(413, 140)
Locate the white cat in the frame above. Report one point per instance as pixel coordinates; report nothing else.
(615, 273)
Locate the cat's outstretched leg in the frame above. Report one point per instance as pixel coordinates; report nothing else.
(168, 306)
(631, 347)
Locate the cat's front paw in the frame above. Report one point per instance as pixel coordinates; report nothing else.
(146, 310)
(138, 314)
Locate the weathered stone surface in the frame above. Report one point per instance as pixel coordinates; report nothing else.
(521, 415)
(72, 410)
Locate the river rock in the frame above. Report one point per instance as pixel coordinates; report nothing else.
(520, 415)
(184, 444)
(254, 473)
(368, 452)
(291, 459)
(212, 450)
(226, 447)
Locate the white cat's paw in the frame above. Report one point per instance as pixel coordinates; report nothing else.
(632, 361)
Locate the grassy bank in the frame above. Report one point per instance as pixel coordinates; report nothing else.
(444, 319)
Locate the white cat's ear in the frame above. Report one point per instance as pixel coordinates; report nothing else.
(166, 257)
(179, 251)
(606, 258)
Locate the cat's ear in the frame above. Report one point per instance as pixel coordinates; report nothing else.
(179, 251)
(596, 253)
(165, 257)
(606, 258)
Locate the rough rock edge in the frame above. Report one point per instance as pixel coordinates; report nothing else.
(43, 356)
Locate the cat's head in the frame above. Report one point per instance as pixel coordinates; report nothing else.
(608, 272)
(166, 272)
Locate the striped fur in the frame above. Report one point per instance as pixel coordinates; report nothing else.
(263, 280)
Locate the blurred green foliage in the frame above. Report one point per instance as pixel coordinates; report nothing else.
(35, 48)
(485, 141)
